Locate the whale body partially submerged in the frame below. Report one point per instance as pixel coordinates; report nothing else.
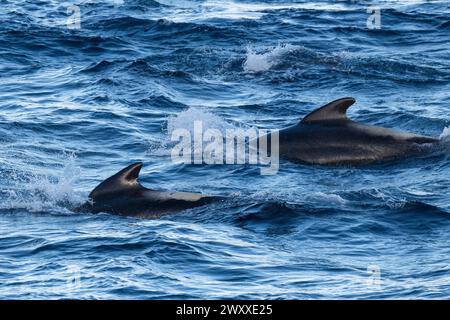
(123, 194)
(327, 136)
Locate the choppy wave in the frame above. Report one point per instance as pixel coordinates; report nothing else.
(77, 105)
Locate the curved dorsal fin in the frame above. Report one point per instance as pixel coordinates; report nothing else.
(335, 110)
(124, 179)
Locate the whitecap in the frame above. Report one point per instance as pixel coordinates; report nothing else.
(445, 134)
(186, 120)
(259, 62)
(233, 10)
(328, 198)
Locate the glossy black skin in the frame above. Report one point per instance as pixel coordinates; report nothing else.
(347, 143)
(327, 137)
(145, 203)
(122, 194)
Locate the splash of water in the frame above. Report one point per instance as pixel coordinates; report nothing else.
(329, 198)
(260, 62)
(445, 134)
(38, 192)
(185, 121)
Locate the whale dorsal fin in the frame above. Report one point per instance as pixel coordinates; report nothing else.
(127, 178)
(335, 110)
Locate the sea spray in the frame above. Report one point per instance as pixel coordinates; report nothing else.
(53, 191)
(185, 120)
(259, 62)
(444, 136)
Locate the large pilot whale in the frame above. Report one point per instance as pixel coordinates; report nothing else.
(327, 136)
(123, 194)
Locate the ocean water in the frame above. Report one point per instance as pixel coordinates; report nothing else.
(88, 87)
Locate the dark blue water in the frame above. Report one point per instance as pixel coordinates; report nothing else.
(78, 104)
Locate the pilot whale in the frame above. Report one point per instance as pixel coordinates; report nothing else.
(327, 136)
(122, 194)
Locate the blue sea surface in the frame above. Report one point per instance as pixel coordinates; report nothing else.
(89, 87)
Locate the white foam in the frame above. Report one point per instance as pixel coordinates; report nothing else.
(260, 62)
(219, 9)
(329, 198)
(445, 135)
(37, 192)
(237, 7)
(408, 2)
(393, 202)
(185, 120)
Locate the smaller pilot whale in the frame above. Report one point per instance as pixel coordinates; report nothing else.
(327, 137)
(122, 194)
